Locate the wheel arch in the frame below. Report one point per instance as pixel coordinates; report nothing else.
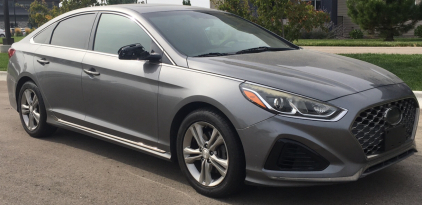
(22, 80)
(182, 113)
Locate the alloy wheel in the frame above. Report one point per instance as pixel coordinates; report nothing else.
(30, 109)
(205, 154)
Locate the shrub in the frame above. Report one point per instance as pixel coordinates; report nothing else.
(418, 31)
(356, 34)
(314, 34)
(27, 31)
(18, 32)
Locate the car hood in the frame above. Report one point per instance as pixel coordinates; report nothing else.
(314, 74)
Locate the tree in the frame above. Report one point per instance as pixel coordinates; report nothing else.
(186, 2)
(389, 17)
(299, 16)
(303, 17)
(39, 13)
(237, 7)
(271, 14)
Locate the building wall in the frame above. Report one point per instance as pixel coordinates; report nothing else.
(348, 25)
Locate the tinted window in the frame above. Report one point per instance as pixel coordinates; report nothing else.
(73, 32)
(45, 35)
(116, 31)
(195, 32)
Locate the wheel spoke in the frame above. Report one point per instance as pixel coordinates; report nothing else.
(208, 168)
(36, 116)
(24, 109)
(31, 121)
(222, 162)
(217, 142)
(188, 151)
(190, 160)
(213, 136)
(221, 170)
(35, 101)
(202, 174)
(198, 136)
(27, 94)
(200, 132)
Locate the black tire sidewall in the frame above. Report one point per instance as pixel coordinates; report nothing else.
(43, 128)
(235, 176)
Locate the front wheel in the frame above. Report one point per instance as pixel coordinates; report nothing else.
(210, 154)
(32, 111)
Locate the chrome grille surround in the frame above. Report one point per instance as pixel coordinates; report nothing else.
(369, 126)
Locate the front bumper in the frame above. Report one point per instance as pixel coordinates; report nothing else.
(332, 140)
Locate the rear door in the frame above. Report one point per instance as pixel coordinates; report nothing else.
(120, 95)
(58, 64)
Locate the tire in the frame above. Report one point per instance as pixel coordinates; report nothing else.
(2, 36)
(33, 109)
(204, 165)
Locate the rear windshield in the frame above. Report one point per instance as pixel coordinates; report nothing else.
(196, 33)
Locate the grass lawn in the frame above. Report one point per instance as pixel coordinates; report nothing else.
(4, 60)
(406, 67)
(399, 42)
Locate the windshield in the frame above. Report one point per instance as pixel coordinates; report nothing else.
(197, 33)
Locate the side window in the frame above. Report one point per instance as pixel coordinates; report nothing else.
(114, 32)
(45, 35)
(74, 32)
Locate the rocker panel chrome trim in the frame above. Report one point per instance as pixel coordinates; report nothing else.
(138, 145)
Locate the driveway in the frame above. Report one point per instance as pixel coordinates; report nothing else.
(350, 50)
(70, 168)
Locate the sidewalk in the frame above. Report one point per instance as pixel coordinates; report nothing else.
(350, 50)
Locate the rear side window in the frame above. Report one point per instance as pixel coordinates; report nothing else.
(114, 32)
(74, 32)
(45, 35)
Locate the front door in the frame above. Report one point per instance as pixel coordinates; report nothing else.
(120, 96)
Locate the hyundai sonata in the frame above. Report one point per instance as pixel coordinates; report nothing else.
(232, 102)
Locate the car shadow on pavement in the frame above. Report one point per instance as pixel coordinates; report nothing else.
(397, 184)
(119, 153)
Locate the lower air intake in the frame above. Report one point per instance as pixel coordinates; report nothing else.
(289, 155)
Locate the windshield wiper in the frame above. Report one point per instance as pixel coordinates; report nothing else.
(262, 49)
(212, 54)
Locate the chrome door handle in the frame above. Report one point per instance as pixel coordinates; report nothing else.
(43, 61)
(91, 72)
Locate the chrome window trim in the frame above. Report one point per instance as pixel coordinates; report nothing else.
(138, 145)
(92, 51)
(62, 19)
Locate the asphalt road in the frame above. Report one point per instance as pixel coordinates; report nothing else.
(71, 168)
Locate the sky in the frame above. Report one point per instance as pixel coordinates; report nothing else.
(199, 3)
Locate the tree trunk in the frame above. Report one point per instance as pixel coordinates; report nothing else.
(389, 36)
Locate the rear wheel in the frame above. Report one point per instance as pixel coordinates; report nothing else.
(32, 111)
(210, 154)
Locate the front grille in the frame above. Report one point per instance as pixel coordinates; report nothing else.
(369, 127)
(289, 155)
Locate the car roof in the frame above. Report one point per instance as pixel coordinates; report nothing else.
(143, 8)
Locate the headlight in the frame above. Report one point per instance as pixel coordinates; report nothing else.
(287, 104)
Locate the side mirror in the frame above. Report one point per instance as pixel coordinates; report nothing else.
(137, 52)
